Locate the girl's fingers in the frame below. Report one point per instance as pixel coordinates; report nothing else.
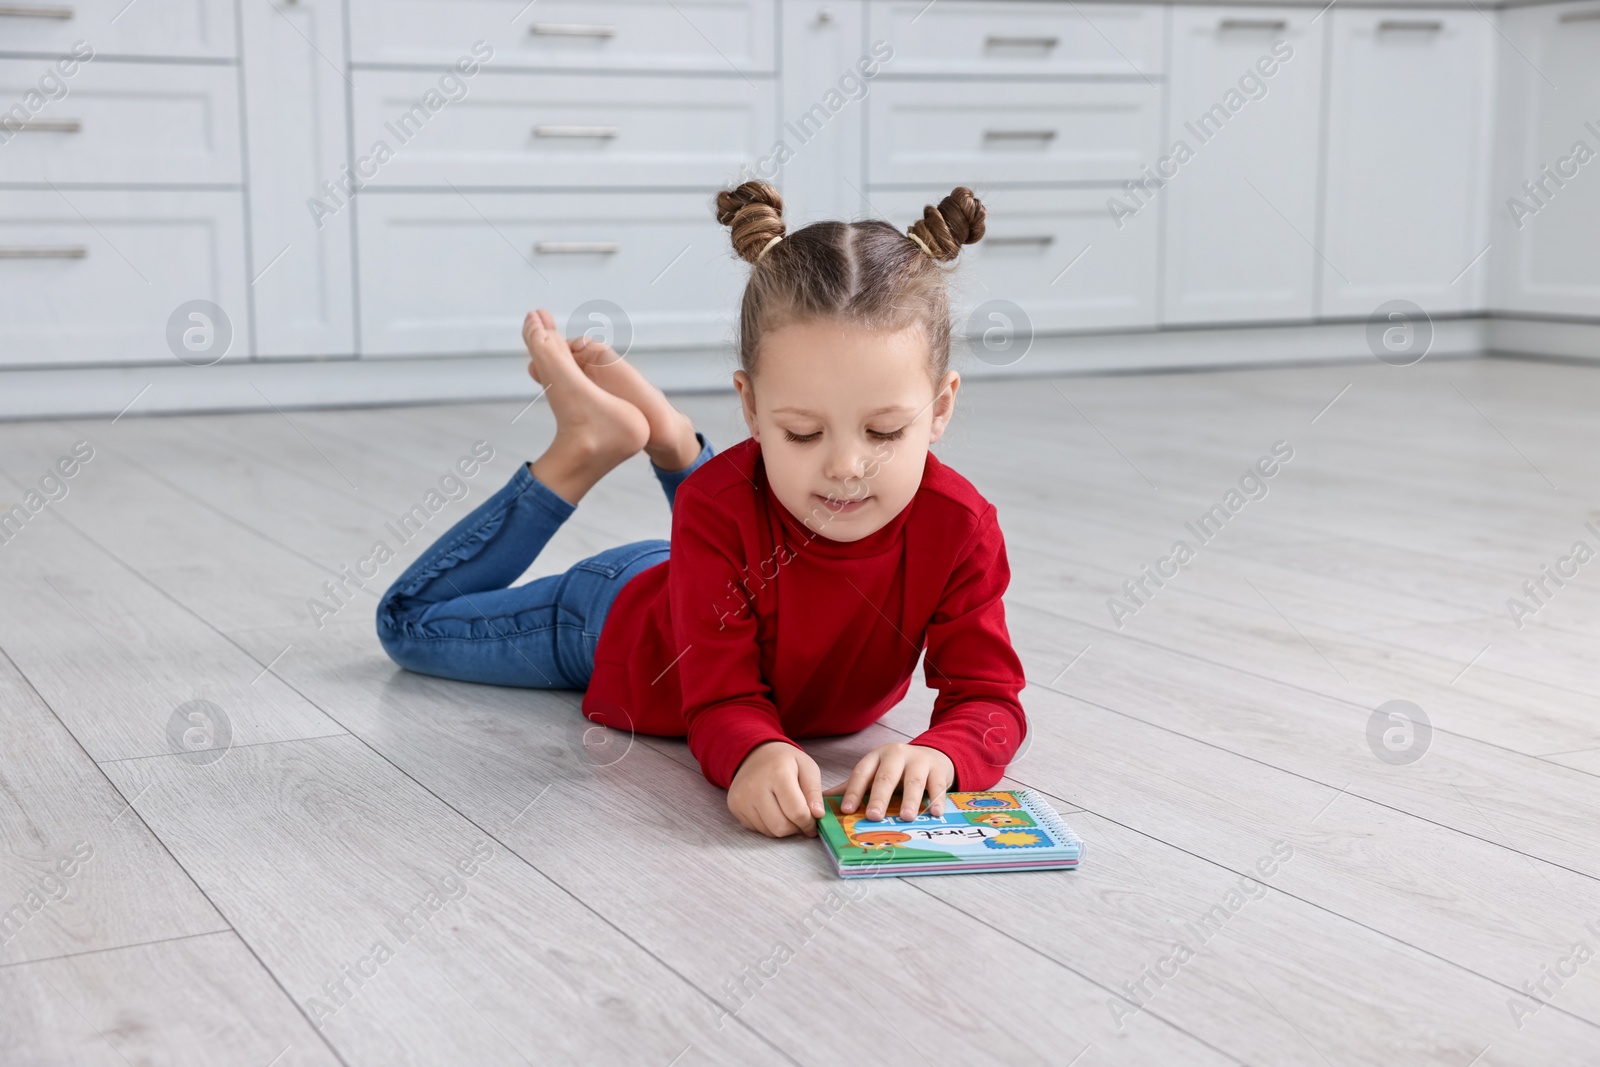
(911, 798)
(772, 816)
(856, 786)
(796, 809)
(937, 788)
(883, 785)
(811, 787)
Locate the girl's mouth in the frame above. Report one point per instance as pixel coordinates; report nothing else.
(839, 506)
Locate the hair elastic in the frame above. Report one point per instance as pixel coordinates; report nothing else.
(768, 245)
(920, 243)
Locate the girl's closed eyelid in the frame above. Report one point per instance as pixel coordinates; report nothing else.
(881, 435)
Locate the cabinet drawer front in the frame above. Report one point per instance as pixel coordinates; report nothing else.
(722, 36)
(124, 123)
(559, 129)
(179, 29)
(443, 273)
(1055, 253)
(100, 286)
(968, 37)
(1099, 131)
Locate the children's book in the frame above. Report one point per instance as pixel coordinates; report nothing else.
(1001, 830)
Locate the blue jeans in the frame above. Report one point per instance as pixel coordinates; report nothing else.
(454, 613)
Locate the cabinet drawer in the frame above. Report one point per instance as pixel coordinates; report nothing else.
(584, 130)
(971, 37)
(1003, 132)
(722, 36)
(170, 28)
(1055, 253)
(125, 123)
(94, 276)
(448, 273)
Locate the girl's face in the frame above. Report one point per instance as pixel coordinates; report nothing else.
(844, 417)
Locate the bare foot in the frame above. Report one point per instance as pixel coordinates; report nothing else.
(595, 431)
(672, 445)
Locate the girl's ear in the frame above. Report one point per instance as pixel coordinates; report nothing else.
(747, 401)
(944, 405)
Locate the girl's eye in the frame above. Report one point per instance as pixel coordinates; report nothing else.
(800, 439)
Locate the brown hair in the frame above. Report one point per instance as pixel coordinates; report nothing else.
(866, 272)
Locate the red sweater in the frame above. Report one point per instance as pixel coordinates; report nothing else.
(760, 629)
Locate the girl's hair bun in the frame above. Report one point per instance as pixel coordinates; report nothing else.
(755, 212)
(957, 221)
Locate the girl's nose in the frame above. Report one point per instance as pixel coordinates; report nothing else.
(844, 468)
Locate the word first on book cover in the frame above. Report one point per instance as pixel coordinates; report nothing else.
(1001, 830)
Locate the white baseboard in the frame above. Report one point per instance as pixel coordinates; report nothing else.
(289, 384)
(1543, 339)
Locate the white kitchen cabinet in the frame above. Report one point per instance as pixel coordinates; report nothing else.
(816, 158)
(449, 273)
(1010, 131)
(965, 37)
(300, 255)
(94, 276)
(1052, 252)
(1240, 164)
(125, 124)
(572, 130)
(710, 36)
(1546, 203)
(1408, 156)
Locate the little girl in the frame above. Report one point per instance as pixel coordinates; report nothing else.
(810, 564)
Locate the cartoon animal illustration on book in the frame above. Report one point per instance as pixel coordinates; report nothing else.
(984, 801)
(879, 839)
(999, 818)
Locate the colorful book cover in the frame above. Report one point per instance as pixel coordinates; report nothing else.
(999, 830)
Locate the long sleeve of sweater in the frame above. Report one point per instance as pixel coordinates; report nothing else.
(727, 704)
(977, 719)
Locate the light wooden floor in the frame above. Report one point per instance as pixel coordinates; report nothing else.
(230, 910)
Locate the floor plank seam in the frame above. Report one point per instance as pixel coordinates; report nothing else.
(1305, 777)
(1311, 903)
(1198, 658)
(119, 948)
(915, 883)
(165, 847)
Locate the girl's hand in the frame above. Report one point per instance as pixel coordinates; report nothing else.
(888, 766)
(777, 791)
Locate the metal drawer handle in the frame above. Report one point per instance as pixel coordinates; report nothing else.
(1021, 239)
(571, 29)
(1020, 42)
(574, 131)
(53, 126)
(575, 246)
(1591, 15)
(28, 11)
(1037, 135)
(64, 252)
(1413, 25)
(1253, 24)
